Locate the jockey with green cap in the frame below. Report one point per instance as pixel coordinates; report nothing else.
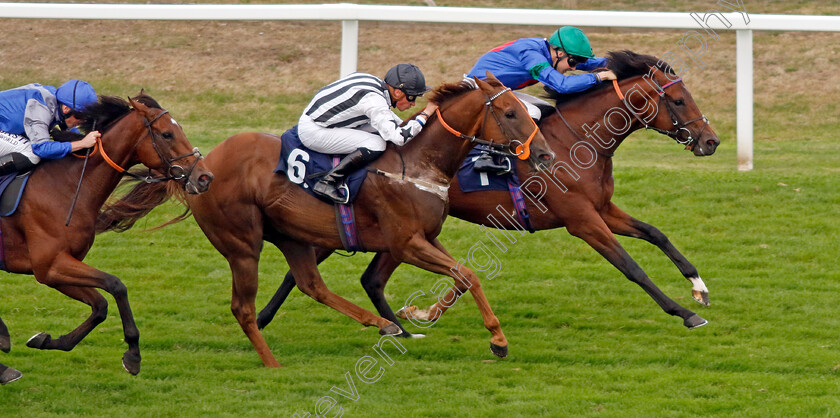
(526, 61)
(30, 112)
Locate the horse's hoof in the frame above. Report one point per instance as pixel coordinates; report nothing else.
(9, 375)
(406, 334)
(694, 321)
(131, 363)
(5, 343)
(39, 341)
(499, 351)
(390, 329)
(701, 297)
(401, 313)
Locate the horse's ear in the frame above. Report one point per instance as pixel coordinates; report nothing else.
(491, 77)
(142, 92)
(482, 84)
(137, 105)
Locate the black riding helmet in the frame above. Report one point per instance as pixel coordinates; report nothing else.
(409, 79)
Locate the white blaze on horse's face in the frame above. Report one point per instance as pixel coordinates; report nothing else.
(174, 122)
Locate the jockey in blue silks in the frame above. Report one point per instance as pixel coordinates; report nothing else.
(526, 61)
(30, 112)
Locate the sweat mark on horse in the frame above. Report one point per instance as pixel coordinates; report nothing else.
(579, 199)
(36, 241)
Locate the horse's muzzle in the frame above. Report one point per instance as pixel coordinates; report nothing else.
(200, 185)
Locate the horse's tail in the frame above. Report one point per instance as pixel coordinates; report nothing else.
(122, 214)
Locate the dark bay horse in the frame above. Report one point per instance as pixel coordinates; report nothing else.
(584, 130)
(36, 240)
(400, 208)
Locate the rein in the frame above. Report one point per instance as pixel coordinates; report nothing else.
(689, 141)
(522, 151)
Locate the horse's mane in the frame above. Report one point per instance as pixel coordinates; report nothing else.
(450, 91)
(625, 64)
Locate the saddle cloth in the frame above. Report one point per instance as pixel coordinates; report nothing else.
(475, 181)
(305, 167)
(11, 190)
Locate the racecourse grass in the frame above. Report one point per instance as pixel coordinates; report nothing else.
(584, 341)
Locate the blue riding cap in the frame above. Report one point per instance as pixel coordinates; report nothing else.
(76, 94)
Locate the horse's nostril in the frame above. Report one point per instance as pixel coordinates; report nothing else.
(712, 142)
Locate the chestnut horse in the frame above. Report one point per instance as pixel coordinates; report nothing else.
(399, 210)
(36, 240)
(576, 192)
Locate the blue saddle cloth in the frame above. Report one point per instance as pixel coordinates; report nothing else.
(305, 167)
(11, 190)
(474, 181)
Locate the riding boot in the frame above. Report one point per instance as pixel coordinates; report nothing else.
(486, 163)
(14, 163)
(329, 185)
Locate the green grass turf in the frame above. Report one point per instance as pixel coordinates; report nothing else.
(583, 340)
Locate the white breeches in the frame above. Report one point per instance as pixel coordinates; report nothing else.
(10, 143)
(336, 140)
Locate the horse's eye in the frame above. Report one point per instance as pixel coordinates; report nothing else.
(510, 114)
(679, 102)
(167, 135)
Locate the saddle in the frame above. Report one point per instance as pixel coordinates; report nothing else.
(304, 167)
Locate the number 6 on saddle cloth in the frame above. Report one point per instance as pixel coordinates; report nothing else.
(305, 167)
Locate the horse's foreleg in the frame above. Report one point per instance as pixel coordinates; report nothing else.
(302, 262)
(433, 257)
(621, 223)
(99, 311)
(8, 374)
(244, 268)
(67, 274)
(595, 232)
(5, 340)
(373, 281)
(267, 314)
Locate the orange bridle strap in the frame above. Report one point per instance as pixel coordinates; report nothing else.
(99, 147)
(523, 151)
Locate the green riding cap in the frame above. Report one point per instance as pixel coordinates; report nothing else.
(571, 40)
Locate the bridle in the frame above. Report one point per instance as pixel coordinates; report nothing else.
(174, 171)
(521, 151)
(690, 141)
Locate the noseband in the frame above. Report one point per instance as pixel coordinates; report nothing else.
(690, 141)
(521, 151)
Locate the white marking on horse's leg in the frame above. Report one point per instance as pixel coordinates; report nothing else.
(699, 290)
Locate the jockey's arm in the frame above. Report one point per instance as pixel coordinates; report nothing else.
(386, 122)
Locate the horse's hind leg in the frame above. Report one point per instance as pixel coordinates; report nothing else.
(5, 340)
(267, 314)
(595, 232)
(99, 311)
(8, 374)
(66, 271)
(621, 223)
(302, 262)
(374, 279)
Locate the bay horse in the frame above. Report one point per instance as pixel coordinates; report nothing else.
(577, 194)
(37, 241)
(400, 208)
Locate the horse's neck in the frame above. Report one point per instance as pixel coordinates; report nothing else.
(435, 148)
(588, 118)
(100, 177)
